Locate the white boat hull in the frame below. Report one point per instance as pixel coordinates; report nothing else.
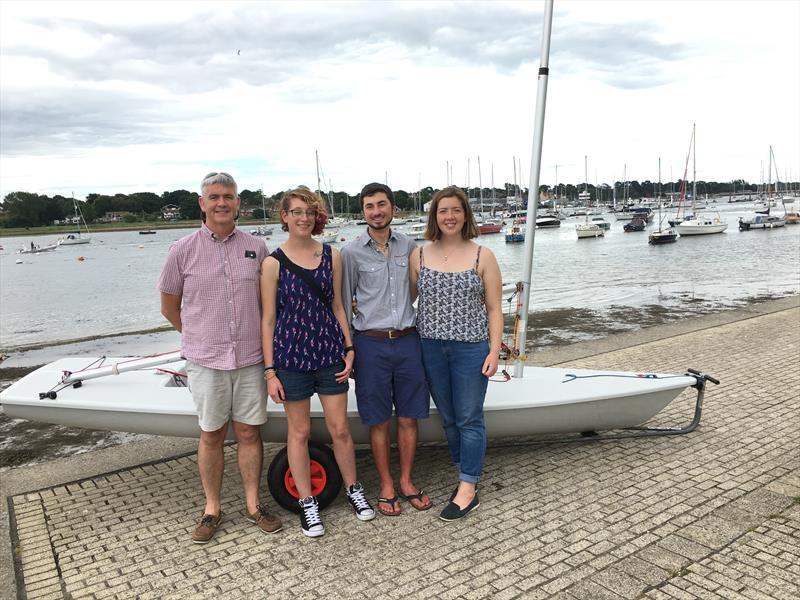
(545, 400)
(589, 231)
(700, 227)
(75, 242)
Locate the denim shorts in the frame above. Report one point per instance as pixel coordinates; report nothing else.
(299, 385)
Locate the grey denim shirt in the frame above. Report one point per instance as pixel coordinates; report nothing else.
(378, 283)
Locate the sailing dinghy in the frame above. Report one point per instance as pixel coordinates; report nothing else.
(150, 395)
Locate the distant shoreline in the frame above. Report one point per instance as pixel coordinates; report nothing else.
(107, 227)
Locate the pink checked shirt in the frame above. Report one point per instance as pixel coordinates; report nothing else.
(218, 280)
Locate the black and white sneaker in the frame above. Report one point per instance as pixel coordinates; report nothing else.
(309, 517)
(358, 500)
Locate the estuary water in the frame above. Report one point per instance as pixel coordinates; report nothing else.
(109, 286)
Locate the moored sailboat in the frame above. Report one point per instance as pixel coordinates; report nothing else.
(661, 235)
(700, 224)
(586, 229)
(76, 238)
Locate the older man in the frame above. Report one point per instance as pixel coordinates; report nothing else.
(388, 364)
(210, 293)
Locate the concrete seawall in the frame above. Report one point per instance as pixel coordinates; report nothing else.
(715, 513)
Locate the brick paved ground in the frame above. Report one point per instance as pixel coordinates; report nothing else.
(712, 514)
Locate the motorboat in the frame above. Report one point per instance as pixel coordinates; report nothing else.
(589, 230)
(261, 231)
(327, 236)
(601, 223)
(147, 232)
(792, 218)
(490, 227)
(34, 249)
(417, 231)
(637, 223)
(515, 234)
(761, 221)
(547, 222)
(149, 395)
(701, 226)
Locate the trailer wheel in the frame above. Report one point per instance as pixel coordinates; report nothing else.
(326, 481)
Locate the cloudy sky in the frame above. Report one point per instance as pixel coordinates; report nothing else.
(114, 97)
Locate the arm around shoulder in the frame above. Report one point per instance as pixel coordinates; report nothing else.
(413, 272)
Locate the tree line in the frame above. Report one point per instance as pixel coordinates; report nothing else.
(25, 209)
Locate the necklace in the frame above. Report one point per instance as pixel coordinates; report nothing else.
(446, 256)
(383, 248)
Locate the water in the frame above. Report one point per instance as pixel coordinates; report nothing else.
(54, 296)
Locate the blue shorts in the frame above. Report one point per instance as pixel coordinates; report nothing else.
(299, 385)
(390, 372)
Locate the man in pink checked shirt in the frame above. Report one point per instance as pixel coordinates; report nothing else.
(210, 293)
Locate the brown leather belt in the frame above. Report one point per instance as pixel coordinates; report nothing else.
(390, 334)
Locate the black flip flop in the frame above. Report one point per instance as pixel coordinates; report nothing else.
(418, 496)
(390, 501)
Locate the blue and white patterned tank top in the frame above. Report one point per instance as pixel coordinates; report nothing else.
(307, 336)
(451, 305)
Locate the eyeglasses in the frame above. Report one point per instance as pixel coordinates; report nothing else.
(299, 212)
(215, 173)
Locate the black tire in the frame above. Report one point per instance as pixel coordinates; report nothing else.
(325, 475)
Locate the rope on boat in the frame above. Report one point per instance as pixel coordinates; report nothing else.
(509, 351)
(572, 377)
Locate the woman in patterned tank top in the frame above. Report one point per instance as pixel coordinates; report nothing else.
(307, 348)
(460, 323)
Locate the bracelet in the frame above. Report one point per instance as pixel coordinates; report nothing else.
(349, 349)
(270, 368)
(271, 374)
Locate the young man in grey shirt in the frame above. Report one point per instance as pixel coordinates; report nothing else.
(388, 364)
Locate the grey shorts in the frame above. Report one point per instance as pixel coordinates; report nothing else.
(220, 396)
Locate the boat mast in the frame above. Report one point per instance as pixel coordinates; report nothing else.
(319, 185)
(769, 179)
(516, 203)
(494, 201)
(263, 207)
(536, 163)
(480, 185)
(694, 169)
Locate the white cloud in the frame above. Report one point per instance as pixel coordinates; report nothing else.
(148, 97)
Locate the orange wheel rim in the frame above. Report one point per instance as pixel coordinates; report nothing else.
(319, 479)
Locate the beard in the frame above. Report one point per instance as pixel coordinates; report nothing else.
(380, 227)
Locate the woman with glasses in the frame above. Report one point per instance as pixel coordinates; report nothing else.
(460, 324)
(308, 349)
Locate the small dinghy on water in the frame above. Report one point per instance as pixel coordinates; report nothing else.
(150, 395)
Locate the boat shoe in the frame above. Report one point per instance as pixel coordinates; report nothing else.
(452, 512)
(206, 528)
(266, 521)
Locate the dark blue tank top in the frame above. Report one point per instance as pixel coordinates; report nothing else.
(307, 335)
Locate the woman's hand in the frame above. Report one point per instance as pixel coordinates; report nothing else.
(342, 375)
(275, 390)
(490, 364)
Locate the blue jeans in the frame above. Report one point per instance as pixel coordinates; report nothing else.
(458, 388)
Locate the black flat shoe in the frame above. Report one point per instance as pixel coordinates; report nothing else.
(455, 491)
(452, 512)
